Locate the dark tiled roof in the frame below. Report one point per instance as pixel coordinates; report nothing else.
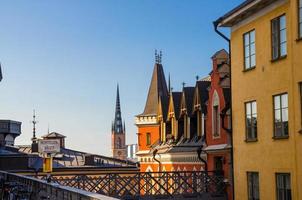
(176, 103)
(189, 98)
(158, 89)
(73, 158)
(203, 92)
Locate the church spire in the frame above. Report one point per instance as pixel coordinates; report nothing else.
(117, 124)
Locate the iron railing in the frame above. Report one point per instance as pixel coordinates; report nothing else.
(18, 187)
(138, 185)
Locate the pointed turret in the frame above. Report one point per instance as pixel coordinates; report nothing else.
(158, 89)
(117, 124)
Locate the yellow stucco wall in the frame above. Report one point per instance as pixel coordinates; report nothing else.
(267, 156)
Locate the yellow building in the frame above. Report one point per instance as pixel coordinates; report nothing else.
(266, 56)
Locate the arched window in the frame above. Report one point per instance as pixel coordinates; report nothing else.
(215, 115)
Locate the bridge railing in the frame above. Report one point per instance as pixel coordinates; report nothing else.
(148, 184)
(14, 186)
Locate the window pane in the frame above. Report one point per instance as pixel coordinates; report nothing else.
(283, 36)
(246, 39)
(247, 51)
(300, 3)
(275, 26)
(247, 62)
(277, 116)
(253, 61)
(248, 108)
(285, 115)
(254, 107)
(300, 29)
(282, 22)
(287, 181)
(253, 50)
(252, 36)
(256, 186)
(283, 49)
(277, 102)
(284, 101)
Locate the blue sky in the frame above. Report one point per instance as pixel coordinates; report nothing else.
(65, 58)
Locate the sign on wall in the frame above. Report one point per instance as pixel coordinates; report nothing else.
(49, 146)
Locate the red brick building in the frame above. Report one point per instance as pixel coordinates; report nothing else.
(218, 117)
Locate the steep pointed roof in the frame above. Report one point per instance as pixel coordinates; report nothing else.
(202, 86)
(118, 123)
(158, 89)
(188, 95)
(176, 98)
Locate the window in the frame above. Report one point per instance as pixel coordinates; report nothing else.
(215, 115)
(253, 185)
(216, 121)
(281, 115)
(283, 187)
(300, 19)
(251, 120)
(148, 138)
(249, 50)
(278, 37)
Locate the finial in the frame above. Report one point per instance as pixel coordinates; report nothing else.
(197, 77)
(156, 56)
(160, 57)
(34, 122)
(48, 128)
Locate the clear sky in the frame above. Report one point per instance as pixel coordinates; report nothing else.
(64, 58)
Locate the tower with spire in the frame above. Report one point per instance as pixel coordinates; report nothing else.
(118, 139)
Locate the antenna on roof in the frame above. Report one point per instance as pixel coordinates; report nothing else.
(156, 56)
(48, 128)
(183, 84)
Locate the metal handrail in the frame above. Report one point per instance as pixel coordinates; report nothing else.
(39, 189)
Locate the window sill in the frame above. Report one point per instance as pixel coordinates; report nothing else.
(299, 39)
(277, 59)
(280, 137)
(251, 140)
(248, 69)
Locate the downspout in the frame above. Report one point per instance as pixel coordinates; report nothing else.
(215, 23)
(199, 152)
(159, 163)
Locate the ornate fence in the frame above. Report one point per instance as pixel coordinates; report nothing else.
(18, 187)
(193, 184)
